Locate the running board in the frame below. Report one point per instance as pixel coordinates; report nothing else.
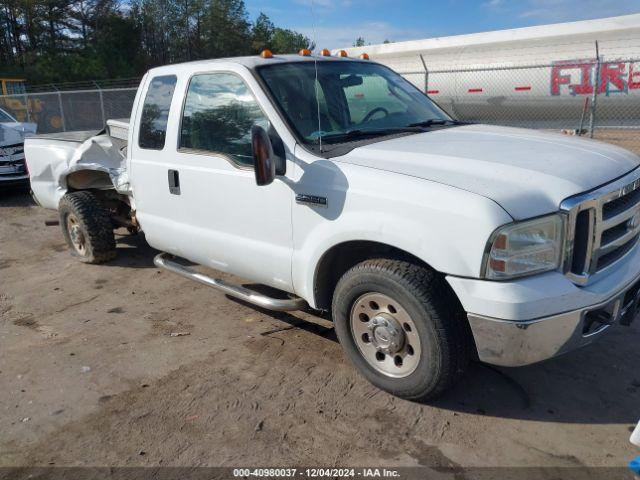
(163, 260)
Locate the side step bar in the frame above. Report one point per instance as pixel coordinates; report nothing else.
(163, 260)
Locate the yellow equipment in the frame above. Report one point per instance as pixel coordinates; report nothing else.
(25, 108)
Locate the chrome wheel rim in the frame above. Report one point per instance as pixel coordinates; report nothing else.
(76, 235)
(385, 335)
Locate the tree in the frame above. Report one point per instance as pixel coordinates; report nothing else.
(280, 40)
(116, 34)
(359, 42)
(69, 40)
(288, 41)
(226, 29)
(262, 33)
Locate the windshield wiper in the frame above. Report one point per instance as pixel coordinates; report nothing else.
(358, 133)
(435, 121)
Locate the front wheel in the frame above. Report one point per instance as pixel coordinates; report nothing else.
(402, 327)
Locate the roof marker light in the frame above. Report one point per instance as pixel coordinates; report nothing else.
(305, 52)
(325, 52)
(342, 53)
(266, 53)
(364, 56)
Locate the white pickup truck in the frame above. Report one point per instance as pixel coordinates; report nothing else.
(345, 188)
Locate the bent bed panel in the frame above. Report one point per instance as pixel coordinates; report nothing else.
(50, 160)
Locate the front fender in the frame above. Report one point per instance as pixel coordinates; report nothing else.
(445, 227)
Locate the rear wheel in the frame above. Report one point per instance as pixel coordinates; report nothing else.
(87, 228)
(401, 327)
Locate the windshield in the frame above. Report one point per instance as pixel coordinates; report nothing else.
(355, 99)
(5, 117)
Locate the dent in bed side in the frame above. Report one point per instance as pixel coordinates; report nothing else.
(57, 165)
(48, 162)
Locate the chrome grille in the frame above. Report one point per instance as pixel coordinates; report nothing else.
(603, 227)
(12, 150)
(12, 160)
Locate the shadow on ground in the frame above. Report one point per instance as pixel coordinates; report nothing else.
(575, 388)
(15, 197)
(133, 252)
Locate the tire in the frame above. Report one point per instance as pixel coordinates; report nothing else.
(87, 228)
(436, 325)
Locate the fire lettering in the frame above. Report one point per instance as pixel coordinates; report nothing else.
(634, 77)
(611, 74)
(558, 78)
(584, 87)
(613, 77)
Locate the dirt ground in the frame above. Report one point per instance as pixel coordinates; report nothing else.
(629, 139)
(90, 375)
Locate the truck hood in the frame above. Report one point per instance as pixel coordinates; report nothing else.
(527, 172)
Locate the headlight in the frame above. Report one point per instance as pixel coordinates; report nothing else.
(524, 248)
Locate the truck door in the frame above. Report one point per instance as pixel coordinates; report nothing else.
(197, 197)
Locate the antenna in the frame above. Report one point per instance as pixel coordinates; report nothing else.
(315, 64)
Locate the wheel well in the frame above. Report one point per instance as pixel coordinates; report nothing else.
(88, 179)
(99, 183)
(340, 258)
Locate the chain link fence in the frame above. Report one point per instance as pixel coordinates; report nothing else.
(116, 83)
(71, 110)
(588, 97)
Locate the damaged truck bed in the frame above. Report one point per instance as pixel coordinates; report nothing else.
(78, 160)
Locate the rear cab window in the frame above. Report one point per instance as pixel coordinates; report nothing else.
(155, 112)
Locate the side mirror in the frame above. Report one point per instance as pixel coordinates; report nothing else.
(264, 161)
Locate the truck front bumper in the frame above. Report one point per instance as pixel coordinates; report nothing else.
(529, 320)
(513, 343)
(14, 180)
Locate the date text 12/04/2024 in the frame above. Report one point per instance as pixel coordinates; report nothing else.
(316, 472)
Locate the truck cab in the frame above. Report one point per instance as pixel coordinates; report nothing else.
(342, 186)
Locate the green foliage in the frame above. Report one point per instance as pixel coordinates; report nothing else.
(263, 31)
(227, 29)
(71, 40)
(279, 40)
(288, 41)
(51, 67)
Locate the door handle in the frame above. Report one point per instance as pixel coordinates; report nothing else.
(174, 182)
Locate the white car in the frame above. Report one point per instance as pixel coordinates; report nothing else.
(13, 170)
(337, 182)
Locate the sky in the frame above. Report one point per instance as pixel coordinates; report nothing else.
(337, 23)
